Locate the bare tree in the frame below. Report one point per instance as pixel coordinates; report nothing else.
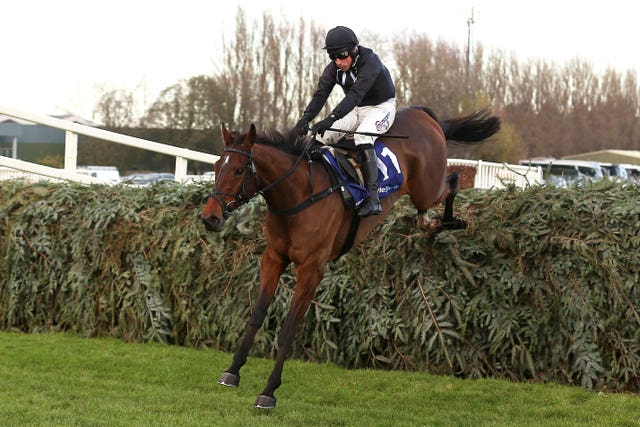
(200, 102)
(271, 69)
(115, 108)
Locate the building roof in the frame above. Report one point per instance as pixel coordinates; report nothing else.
(28, 132)
(609, 156)
(9, 119)
(68, 117)
(75, 119)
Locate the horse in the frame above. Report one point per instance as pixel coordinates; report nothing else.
(307, 222)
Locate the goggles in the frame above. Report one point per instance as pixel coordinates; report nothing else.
(339, 55)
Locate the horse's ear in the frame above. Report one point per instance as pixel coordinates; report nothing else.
(226, 136)
(252, 133)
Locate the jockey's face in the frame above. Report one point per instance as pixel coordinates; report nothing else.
(344, 64)
(342, 59)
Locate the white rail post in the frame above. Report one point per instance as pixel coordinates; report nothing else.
(478, 181)
(181, 169)
(14, 147)
(70, 151)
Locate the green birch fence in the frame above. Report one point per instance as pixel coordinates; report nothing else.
(542, 285)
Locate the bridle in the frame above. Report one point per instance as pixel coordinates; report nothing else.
(241, 197)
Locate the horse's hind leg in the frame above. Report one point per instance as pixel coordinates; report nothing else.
(271, 267)
(452, 180)
(449, 221)
(425, 222)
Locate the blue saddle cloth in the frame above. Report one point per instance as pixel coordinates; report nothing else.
(389, 174)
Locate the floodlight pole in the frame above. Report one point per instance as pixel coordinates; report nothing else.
(470, 22)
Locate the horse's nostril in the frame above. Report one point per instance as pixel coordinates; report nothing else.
(211, 223)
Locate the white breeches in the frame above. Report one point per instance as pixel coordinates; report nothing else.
(375, 119)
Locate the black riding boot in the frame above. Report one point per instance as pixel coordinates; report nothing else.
(371, 206)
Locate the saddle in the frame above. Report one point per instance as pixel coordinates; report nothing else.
(344, 169)
(342, 162)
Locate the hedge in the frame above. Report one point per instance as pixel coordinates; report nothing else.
(542, 285)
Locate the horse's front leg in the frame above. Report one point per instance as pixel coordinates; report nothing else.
(271, 268)
(307, 278)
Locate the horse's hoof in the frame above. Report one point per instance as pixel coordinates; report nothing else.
(455, 224)
(265, 402)
(230, 380)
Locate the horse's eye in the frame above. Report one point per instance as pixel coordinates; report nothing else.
(239, 171)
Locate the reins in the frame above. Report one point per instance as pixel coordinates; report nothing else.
(313, 198)
(240, 198)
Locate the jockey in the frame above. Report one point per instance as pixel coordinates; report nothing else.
(369, 104)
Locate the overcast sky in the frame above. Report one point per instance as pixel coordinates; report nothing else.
(56, 53)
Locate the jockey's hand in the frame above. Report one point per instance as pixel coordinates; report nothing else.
(302, 127)
(321, 127)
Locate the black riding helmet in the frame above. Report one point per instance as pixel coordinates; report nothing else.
(339, 39)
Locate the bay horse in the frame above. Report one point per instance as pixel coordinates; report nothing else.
(307, 223)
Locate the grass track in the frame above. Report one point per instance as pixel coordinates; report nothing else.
(61, 379)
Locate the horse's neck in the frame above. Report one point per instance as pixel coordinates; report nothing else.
(278, 171)
(271, 163)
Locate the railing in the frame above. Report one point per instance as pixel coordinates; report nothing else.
(182, 155)
(488, 174)
(32, 172)
(498, 175)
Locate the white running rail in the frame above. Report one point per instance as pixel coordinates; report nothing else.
(499, 175)
(182, 155)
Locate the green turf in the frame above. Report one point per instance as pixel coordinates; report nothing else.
(61, 379)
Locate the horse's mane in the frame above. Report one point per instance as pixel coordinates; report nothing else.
(289, 142)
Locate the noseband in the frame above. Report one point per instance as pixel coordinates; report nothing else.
(241, 197)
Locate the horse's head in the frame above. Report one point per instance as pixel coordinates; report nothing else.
(235, 178)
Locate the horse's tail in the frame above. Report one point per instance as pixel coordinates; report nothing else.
(471, 129)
